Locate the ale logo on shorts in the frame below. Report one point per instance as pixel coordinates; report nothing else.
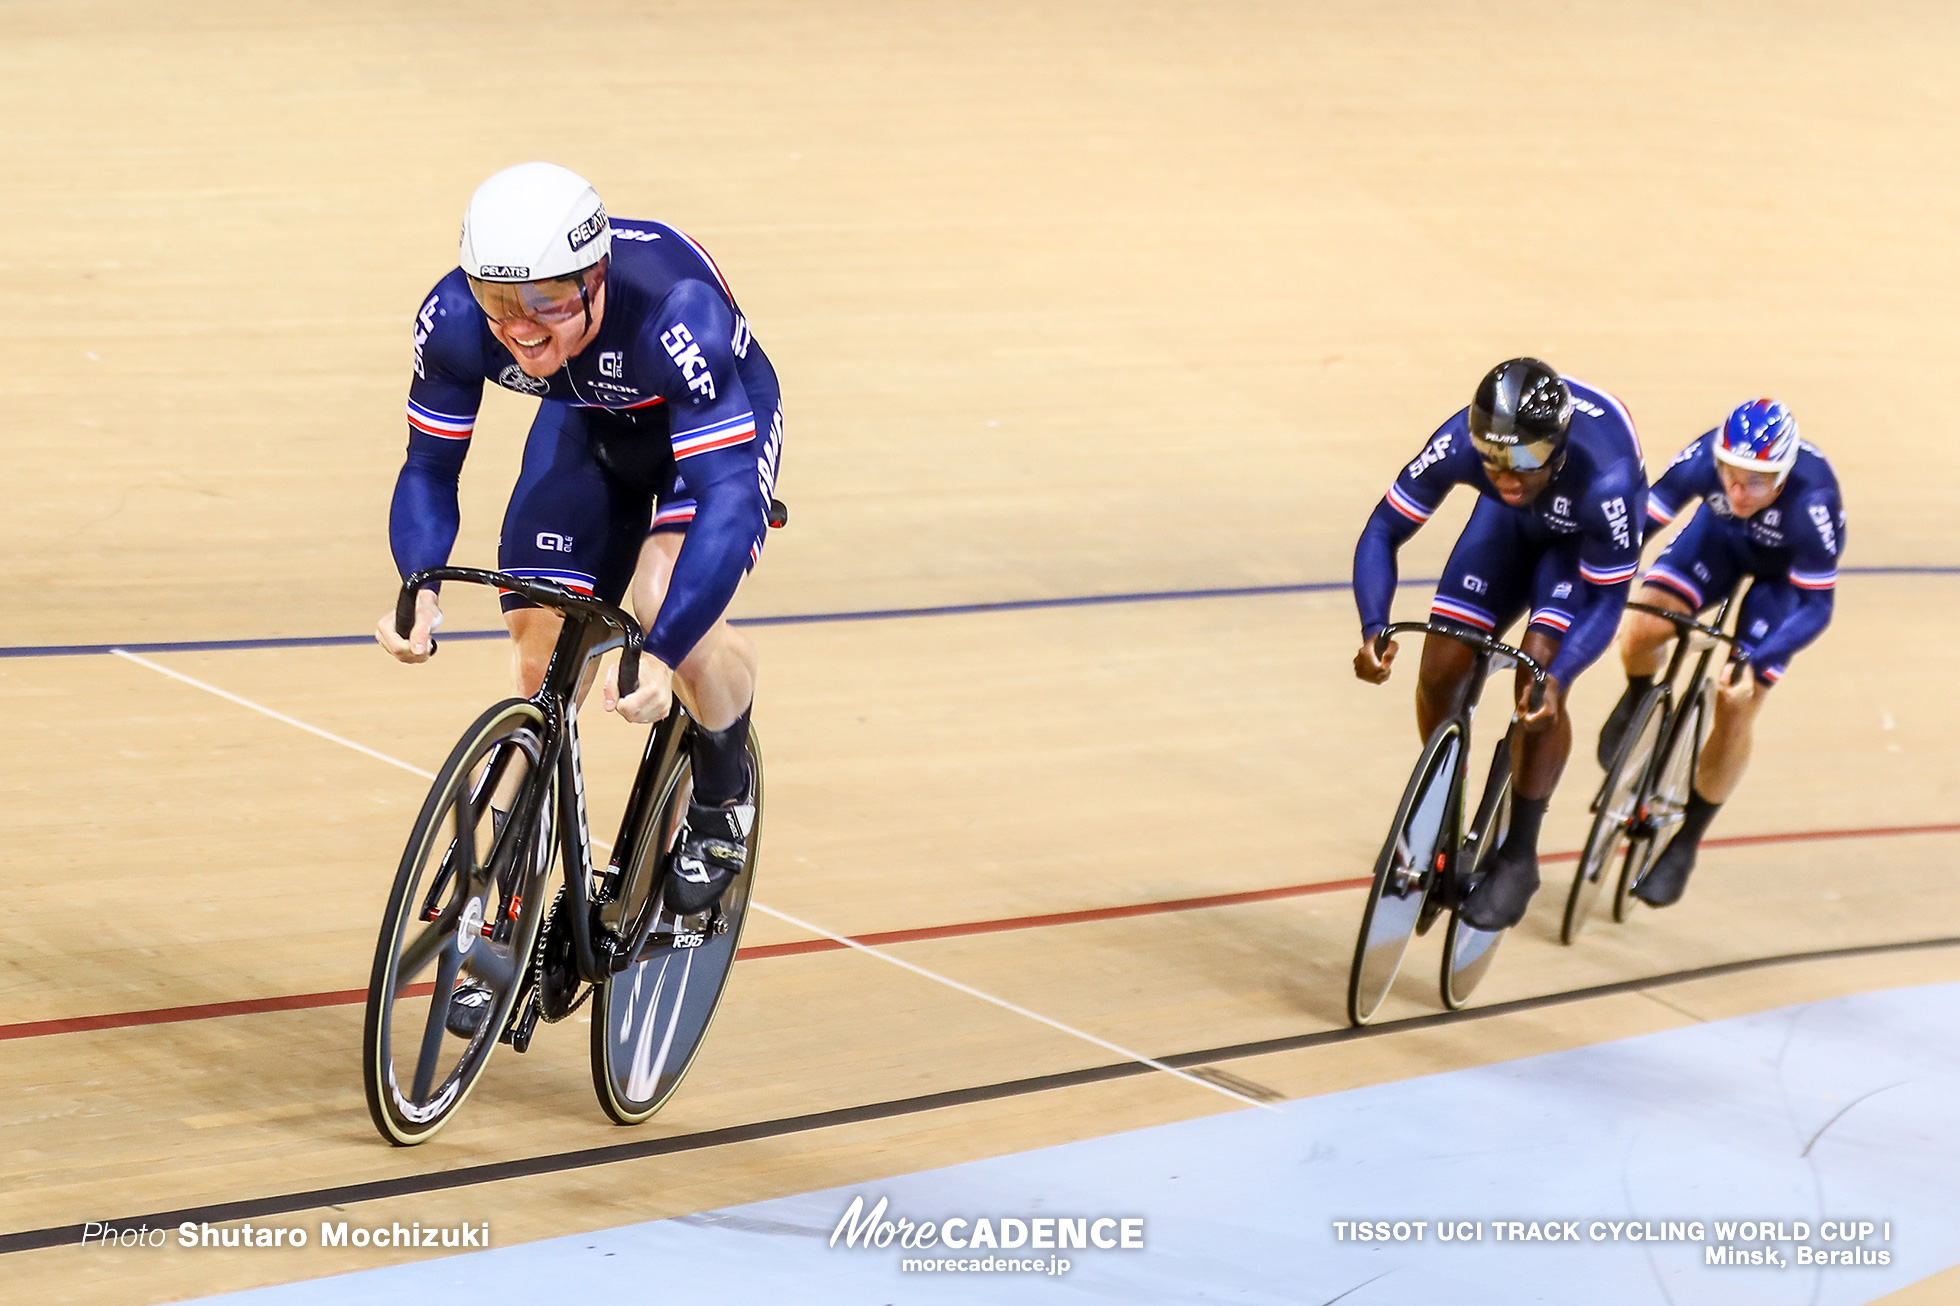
(516, 378)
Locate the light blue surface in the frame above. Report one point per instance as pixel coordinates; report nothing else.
(1834, 1110)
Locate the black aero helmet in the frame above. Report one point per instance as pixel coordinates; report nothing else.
(1521, 415)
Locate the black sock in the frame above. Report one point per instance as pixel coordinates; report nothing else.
(1695, 818)
(721, 768)
(1527, 814)
(1637, 686)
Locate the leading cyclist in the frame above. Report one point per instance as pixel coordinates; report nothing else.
(1767, 506)
(651, 462)
(1556, 533)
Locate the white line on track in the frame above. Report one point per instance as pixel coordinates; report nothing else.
(230, 697)
(1003, 1003)
(846, 940)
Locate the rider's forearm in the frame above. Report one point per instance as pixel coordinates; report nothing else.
(1804, 624)
(1591, 631)
(728, 517)
(424, 516)
(1374, 565)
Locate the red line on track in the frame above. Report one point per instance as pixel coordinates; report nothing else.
(350, 997)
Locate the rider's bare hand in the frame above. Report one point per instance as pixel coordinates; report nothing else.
(1368, 667)
(421, 640)
(650, 702)
(1545, 715)
(1738, 685)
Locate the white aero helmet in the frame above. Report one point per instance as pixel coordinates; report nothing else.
(529, 234)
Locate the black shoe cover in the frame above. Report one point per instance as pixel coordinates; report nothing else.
(1667, 879)
(469, 1006)
(1499, 899)
(1614, 732)
(713, 849)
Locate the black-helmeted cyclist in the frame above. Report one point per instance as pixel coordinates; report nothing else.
(1556, 534)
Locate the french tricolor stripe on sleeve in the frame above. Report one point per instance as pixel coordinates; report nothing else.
(736, 430)
(1552, 618)
(1407, 506)
(1608, 575)
(1814, 580)
(1659, 510)
(445, 426)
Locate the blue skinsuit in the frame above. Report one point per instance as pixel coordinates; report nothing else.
(1791, 548)
(1568, 557)
(671, 406)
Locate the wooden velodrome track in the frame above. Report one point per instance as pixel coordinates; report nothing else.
(1098, 299)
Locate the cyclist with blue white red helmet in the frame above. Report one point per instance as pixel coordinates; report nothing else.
(1768, 508)
(649, 465)
(1555, 534)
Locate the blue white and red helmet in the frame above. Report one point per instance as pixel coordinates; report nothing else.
(1759, 436)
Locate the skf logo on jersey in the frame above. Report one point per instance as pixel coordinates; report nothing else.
(627, 233)
(681, 347)
(612, 363)
(1438, 450)
(516, 378)
(587, 231)
(504, 270)
(772, 452)
(425, 322)
(739, 343)
(1822, 517)
(1589, 409)
(1616, 517)
(552, 542)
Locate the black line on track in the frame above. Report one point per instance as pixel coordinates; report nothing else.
(811, 618)
(558, 1162)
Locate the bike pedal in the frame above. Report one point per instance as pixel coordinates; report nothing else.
(518, 1032)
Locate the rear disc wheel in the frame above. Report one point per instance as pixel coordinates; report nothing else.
(1467, 950)
(650, 1019)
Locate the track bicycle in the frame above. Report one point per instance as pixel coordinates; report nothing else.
(1644, 796)
(475, 900)
(1429, 862)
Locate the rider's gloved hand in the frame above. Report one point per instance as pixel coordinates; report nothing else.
(647, 704)
(1545, 715)
(1370, 668)
(421, 640)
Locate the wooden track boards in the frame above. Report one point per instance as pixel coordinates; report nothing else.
(1143, 298)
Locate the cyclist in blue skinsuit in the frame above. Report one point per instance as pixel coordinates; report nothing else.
(650, 463)
(1555, 533)
(1766, 505)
